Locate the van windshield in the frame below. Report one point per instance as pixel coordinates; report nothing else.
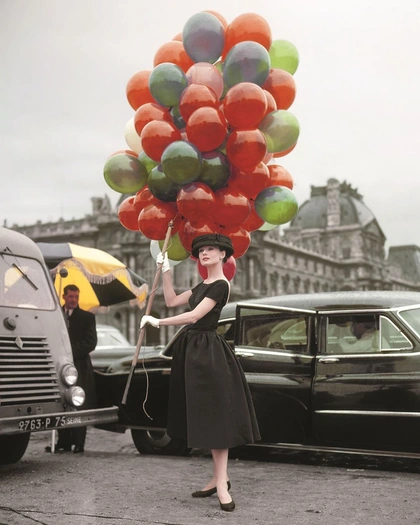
(24, 284)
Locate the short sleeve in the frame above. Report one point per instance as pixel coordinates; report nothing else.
(218, 291)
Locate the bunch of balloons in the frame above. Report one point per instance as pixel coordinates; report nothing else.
(210, 119)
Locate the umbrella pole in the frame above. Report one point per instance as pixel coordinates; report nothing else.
(148, 310)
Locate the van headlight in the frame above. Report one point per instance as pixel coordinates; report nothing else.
(76, 396)
(69, 374)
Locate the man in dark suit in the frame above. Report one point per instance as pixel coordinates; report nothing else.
(83, 338)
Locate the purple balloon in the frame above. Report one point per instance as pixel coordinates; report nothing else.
(203, 37)
(248, 61)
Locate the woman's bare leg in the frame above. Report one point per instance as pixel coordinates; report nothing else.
(220, 476)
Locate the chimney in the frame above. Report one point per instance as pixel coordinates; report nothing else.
(333, 202)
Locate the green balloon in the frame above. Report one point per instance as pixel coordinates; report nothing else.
(280, 129)
(166, 83)
(147, 162)
(176, 252)
(284, 55)
(276, 205)
(161, 187)
(125, 173)
(181, 162)
(215, 171)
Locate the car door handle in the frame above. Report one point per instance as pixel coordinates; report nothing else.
(329, 360)
(244, 354)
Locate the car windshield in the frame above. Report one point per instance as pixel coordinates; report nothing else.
(412, 317)
(111, 338)
(23, 284)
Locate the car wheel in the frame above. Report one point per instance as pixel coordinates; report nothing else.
(158, 442)
(12, 448)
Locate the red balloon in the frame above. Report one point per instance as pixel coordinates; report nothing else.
(195, 201)
(246, 148)
(232, 208)
(196, 96)
(229, 268)
(207, 128)
(245, 105)
(248, 26)
(128, 215)
(148, 112)
(285, 152)
(189, 230)
(281, 85)
(156, 136)
(144, 198)
(279, 176)
(137, 90)
(154, 220)
(241, 239)
(125, 152)
(271, 102)
(175, 53)
(254, 221)
(250, 183)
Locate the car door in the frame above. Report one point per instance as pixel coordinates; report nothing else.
(275, 347)
(366, 395)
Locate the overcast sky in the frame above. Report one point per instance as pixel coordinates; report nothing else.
(64, 68)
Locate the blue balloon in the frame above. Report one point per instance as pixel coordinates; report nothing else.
(248, 61)
(203, 37)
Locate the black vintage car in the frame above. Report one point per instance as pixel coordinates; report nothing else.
(330, 370)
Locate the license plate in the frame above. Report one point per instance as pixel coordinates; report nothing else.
(47, 422)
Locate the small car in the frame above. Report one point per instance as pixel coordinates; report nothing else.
(337, 371)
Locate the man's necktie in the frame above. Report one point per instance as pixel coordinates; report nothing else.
(67, 318)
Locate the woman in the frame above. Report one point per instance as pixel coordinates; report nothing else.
(210, 405)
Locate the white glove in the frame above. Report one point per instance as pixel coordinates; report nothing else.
(164, 261)
(149, 319)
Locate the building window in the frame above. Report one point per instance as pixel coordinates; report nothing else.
(346, 252)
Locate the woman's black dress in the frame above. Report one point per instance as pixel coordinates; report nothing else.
(210, 404)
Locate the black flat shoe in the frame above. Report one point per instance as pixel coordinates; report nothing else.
(227, 507)
(58, 448)
(78, 450)
(207, 493)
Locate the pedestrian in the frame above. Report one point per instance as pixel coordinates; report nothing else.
(81, 326)
(210, 404)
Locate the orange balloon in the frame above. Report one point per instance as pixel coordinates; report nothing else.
(245, 105)
(285, 152)
(196, 96)
(279, 176)
(137, 90)
(148, 112)
(175, 53)
(246, 148)
(271, 103)
(154, 219)
(127, 214)
(219, 16)
(231, 207)
(254, 221)
(126, 152)
(281, 85)
(178, 37)
(156, 136)
(206, 128)
(250, 183)
(248, 26)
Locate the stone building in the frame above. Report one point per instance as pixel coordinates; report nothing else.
(333, 243)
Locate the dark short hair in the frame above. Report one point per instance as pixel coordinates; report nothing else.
(70, 288)
(213, 239)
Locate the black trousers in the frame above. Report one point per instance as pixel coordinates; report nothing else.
(72, 436)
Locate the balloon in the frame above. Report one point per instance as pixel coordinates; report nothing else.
(127, 214)
(188, 230)
(254, 221)
(161, 187)
(219, 16)
(196, 96)
(166, 83)
(250, 183)
(156, 136)
(276, 205)
(125, 173)
(279, 176)
(154, 220)
(175, 53)
(203, 37)
(284, 152)
(195, 201)
(271, 103)
(131, 137)
(147, 162)
(137, 89)
(284, 55)
(282, 86)
(142, 199)
(207, 128)
(246, 62)
(231, 208)
(126, 151)
(215, 170)
(155, 249)
(248, 26)
(245, 105)
(207, 75)
(176, 252)
(181, 162)
(229, 269)
(241, 239)
(267, 227)
(148, 112)
(280, 129)
(246, 149)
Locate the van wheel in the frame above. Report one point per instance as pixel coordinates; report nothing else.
(158, 442)
(13, 447)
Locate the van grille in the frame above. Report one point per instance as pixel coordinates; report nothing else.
(27, 371)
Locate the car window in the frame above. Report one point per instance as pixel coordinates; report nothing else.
(412, 317)
(110, 338)
(391, 336)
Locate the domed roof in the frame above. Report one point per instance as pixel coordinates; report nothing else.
(314, 212)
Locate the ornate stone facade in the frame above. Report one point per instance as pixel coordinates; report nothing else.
(333, 243)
